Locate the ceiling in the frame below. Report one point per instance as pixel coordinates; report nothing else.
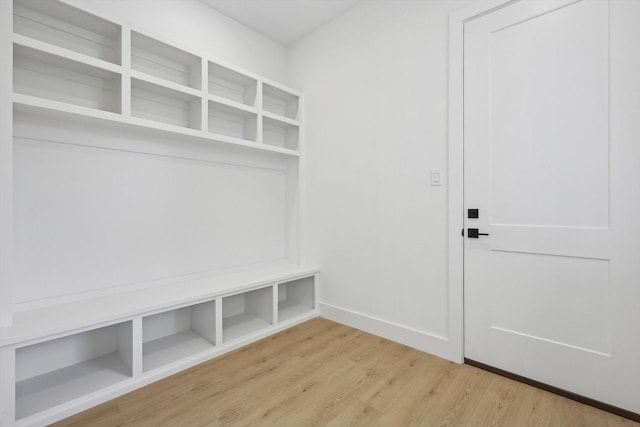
(284, 21)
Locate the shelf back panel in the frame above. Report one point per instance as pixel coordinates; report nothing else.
(163, 105)
(280, 134)
(47, 76)
(277, 101)
(232, 85)
(236, 123)
(199, 317)
(299, 291)
(97, 219)
(71, 350)
(164, 61)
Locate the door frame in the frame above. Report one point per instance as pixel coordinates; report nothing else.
(457, 20)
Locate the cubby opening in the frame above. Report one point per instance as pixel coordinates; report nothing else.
(279, 102)
(232, 85)
(295, 298)
(65, 26)
(55, 372)
(164, 105)
(164, 61)
(280, 134)
(52, 77)
(229, 121)
(174, 335)
(246, 313)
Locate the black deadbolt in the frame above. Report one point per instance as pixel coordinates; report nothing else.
(472, 213)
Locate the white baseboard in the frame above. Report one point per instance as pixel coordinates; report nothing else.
(429, 343)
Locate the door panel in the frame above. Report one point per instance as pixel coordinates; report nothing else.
(549, 118)
(559, 299)
(545, 289)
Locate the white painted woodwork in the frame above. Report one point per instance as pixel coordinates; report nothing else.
(147, 204)
(246, 313)
(158, 340)
(233, 122)
(173, 335)
(295, 298)
(43, 75)
(542, 83)
(168, 86)
(280, 133)
(71, 113)
(7, 355)
(232, 85)
(68, 27)
(197, 27)
(54, 372)
(38, 323)
(280, 102)
(161, 104)
(6, 183)
(157, 58)
(178, 227)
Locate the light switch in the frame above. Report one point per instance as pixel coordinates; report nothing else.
(436, 177)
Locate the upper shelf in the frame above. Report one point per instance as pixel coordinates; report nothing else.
(62, 25)
(53, 77)
(69, 61)
(164, 61)
(232, 85)
(279, 101)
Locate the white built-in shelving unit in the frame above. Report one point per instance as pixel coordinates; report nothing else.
(63, 355)
(70, 61)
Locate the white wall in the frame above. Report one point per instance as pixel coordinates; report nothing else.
(193, 24)
(375, 84)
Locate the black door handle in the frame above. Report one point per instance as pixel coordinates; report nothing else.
(473, 233)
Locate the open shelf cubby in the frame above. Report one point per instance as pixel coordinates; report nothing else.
(159, 59)
(164, 105)
(48, 76)
(246, 313)
(232, 85)
(295, 298)
(230, 121)
(60, 370)
(177, 334)
(280, 102)
(280, 133)
(65, 26)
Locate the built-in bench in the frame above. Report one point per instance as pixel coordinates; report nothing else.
(72, 356)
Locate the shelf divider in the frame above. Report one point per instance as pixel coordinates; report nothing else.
(125, 98)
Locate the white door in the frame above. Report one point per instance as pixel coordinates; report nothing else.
(552, 160)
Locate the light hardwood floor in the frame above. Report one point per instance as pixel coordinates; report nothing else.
(323, 373)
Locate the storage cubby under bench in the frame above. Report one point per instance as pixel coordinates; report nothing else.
(73, 356)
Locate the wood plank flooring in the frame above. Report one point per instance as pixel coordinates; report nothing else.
(323, 373)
